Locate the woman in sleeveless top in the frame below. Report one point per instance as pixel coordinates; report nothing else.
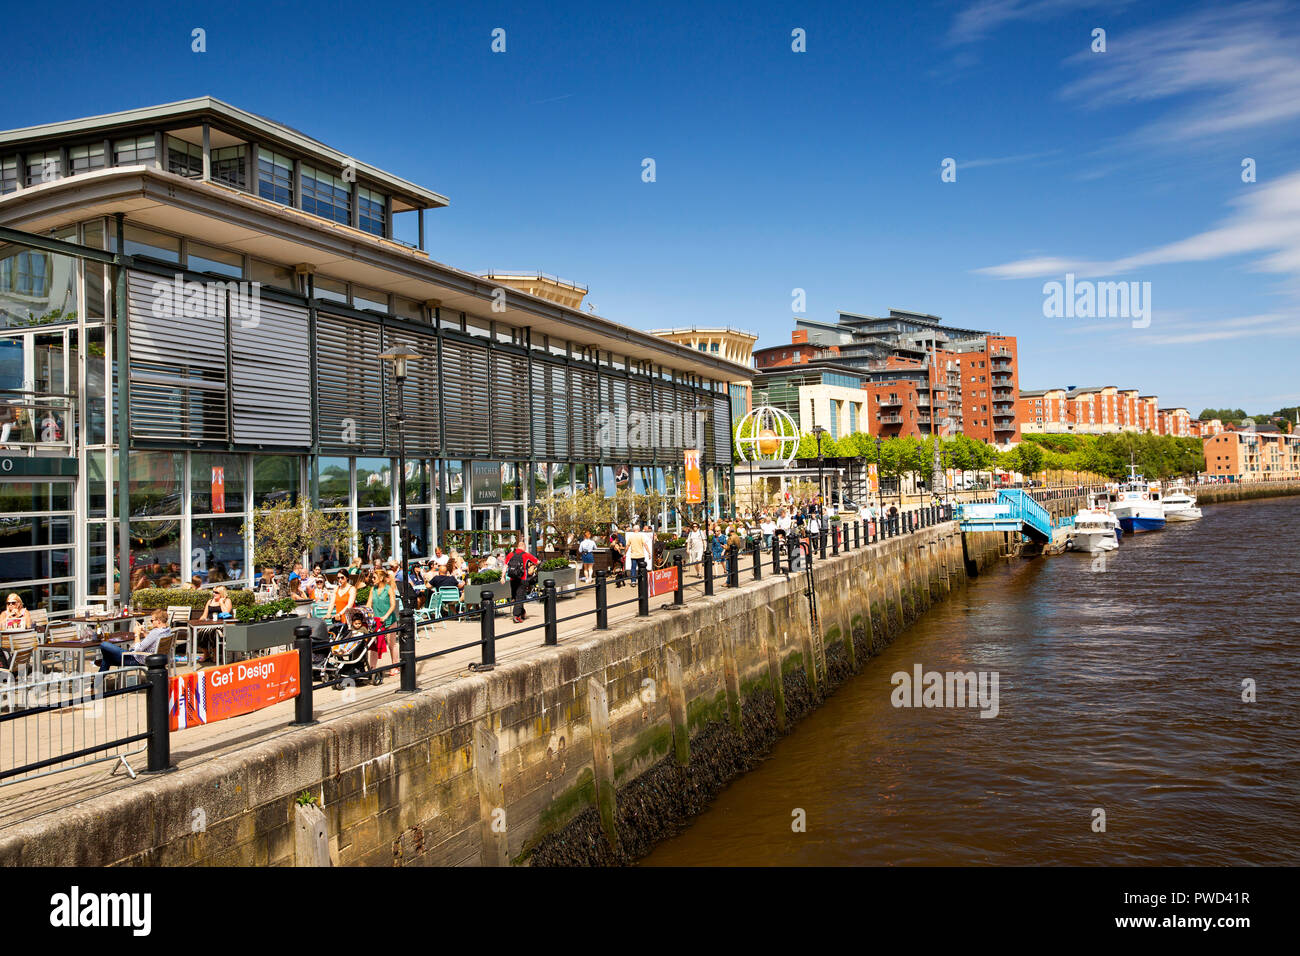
(383, 605)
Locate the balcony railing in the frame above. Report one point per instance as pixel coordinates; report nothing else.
(36, 423)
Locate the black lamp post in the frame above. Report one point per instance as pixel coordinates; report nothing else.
(818, 430)
(399, 356)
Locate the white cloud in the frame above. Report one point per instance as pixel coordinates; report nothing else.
(1235, 68)
(980, 19)
(1267, 223)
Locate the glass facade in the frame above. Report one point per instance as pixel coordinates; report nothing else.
(275, 177)
(326, 195)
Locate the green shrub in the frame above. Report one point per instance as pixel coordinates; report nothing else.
(146, 599)
(485, 577)
(554, 564)
(672, 543)
(264, 612)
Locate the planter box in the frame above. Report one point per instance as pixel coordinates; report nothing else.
(474, 592)
(564, 578)
(248, 638)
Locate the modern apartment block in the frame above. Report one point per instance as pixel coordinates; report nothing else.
(1105, 409)
(1263, 453)
(921, 374)
(194, 300)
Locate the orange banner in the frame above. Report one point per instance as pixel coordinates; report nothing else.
(230, 690)
(694, 495)
(663, 581)
(218, 490)
(875, 479)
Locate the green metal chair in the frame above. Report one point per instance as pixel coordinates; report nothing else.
(445, 596)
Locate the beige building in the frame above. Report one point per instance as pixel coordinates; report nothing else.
(733, 345)
(841, 411)
(1252, 455)
(566, 293)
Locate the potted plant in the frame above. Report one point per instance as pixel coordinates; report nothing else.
(559, 570)
(485, 581)
(674, 546)
(261, 626)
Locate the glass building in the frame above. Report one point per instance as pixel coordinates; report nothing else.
(193, 300)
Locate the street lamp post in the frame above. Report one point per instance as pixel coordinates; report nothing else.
(818, 430)
(399, 356)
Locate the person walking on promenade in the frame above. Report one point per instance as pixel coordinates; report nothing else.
(695, 549)
(637, 552)
(518, 563)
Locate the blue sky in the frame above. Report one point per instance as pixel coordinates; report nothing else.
(778, 170)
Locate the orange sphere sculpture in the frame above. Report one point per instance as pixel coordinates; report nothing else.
(768, 443)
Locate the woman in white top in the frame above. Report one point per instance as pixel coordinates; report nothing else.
(695, 549)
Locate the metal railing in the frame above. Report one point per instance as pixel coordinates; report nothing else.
(75, 720)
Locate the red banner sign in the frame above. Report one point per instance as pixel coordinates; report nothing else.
(218, 490)
(230, 690)
(694, 494)
(663, 581)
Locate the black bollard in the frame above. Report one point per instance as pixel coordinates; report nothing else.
(406, 650)
(302, 707)
(159, 726)
(548, 613)
(602, 601)
(488, 630)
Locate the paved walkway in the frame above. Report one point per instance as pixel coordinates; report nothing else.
(29, 739)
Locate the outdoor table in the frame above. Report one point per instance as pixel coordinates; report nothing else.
(75, 648)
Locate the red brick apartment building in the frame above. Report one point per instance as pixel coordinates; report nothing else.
(1106, 409)
(920, 375)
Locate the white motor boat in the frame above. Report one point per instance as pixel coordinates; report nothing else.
(1095, 528)
(1180, 504)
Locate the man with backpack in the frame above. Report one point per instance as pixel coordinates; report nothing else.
(517, 563)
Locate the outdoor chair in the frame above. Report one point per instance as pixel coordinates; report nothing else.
(10, 681)
(445, 597)
(59, 632)
(178, 616)
(40, 619)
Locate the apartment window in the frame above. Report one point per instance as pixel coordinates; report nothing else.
(202, 258)
(26, 273)
(44, 167)
(8, 175)
(331, 290)
(156, 245)
(184, 159)
(83, 159)
(371, 211)
(275, 177)
(269, 274)
(133, 151)
(363, 298)
(229, 166)
(326, 195)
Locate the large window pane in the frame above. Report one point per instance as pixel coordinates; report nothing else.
(203, 258)
(275, 177)
(332, 477)
(374, 482)
(21, 497)
(36, 288)
(217, 550)
(371, 211)
(374, 534)
(229, 166)
(419, 473)
(326, 195)
(275, 478)
(155, 553)
(155, 483)
(216, 484)
(455, 481)
(145, 242)
(28, 531)
(97, 559)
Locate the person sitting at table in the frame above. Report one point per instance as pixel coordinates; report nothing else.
(219, 608)
(16, 616)
(146, 643)
(295, 590)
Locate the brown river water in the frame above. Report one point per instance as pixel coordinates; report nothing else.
(1118, 690)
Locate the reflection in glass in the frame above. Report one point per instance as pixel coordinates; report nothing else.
(155, 554)
(332, 474)
(216, 484)
(155, 483)
(275, 478)
(374, 482)
(374, 535)
(217, 550)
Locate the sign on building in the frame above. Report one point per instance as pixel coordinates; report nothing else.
(485, 482)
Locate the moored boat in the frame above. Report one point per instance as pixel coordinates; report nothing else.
(1180, 504)
(1137, 504)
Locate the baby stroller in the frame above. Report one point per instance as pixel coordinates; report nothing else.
(348, 658)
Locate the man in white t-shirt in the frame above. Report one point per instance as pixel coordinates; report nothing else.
(768, 527)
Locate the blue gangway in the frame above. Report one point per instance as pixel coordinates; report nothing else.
(1014, 510)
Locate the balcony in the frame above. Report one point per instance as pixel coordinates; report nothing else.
(891, 419)
(887, 402)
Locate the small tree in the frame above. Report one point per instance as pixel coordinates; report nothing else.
(286, 532)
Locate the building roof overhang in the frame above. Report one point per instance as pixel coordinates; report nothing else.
(223, 216)
(256, 127)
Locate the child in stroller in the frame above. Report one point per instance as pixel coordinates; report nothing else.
(350, 657)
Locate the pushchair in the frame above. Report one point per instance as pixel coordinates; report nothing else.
(350, 657)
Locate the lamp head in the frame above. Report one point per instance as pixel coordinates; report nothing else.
(399, 355)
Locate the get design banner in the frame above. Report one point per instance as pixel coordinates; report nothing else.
(230, 690)
(663, 581)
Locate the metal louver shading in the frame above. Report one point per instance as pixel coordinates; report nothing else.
(349, 386)
(467, 402)
(616, 406)
(510, 419)
(720, 422)
(641, 437)
(584, 413)
(420, 399)
(271, 387)
(177, 361)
